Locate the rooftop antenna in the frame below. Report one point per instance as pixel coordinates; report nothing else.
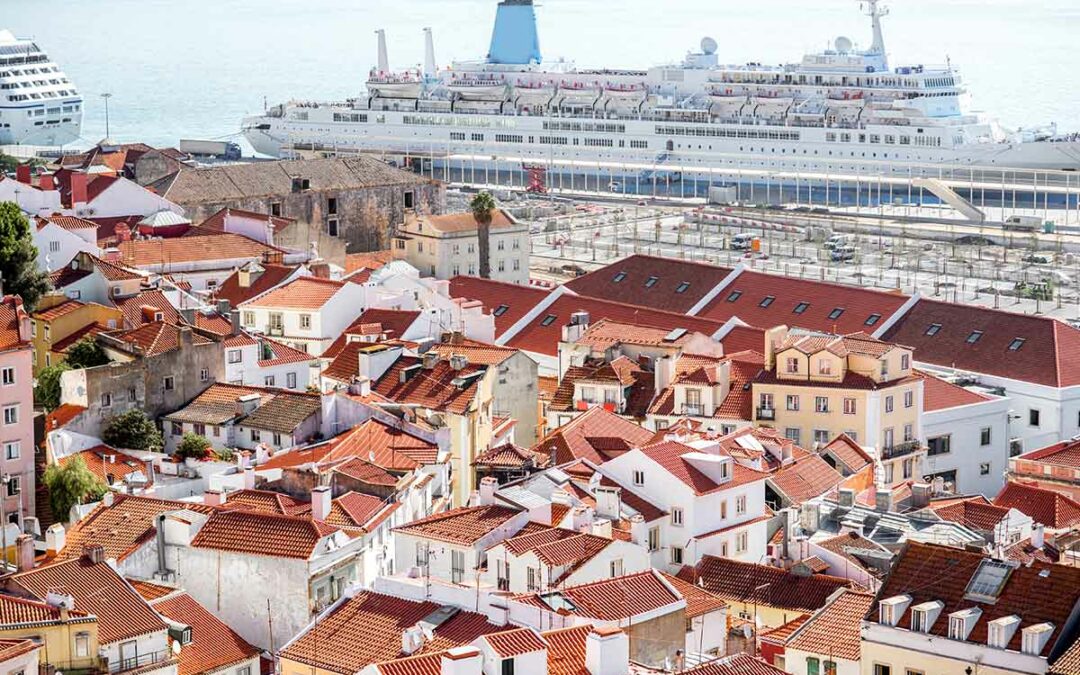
(429, 54)
(384, 62)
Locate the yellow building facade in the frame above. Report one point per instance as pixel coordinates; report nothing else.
(59, 321)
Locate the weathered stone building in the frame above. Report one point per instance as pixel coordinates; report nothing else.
(358, 199)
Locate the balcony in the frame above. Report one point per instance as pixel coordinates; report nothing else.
(693, 410)
(142, 662)
(766, 413)
(275, 330)
(901, 449)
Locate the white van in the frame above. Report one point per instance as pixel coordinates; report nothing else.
(839, 240)
(743, 241)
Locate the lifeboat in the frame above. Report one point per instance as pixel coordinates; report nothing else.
(577, 88)
(631, 91)
(478, 87)
(847, 99)
(535, 90)
(393, 85)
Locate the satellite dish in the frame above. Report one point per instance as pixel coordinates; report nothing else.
(708, 45)
(843, 44)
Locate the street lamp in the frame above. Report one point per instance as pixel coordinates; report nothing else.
(107, 96)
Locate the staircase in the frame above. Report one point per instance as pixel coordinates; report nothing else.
(949, 196)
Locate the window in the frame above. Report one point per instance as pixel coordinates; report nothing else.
(654, 538)
(740, 505)
(616, 567)
(723, 510)
(801, 307)
(792, 365)
(905, 361)
(305, 321)
(7, 376)
(1016, 344)
(909, 399)
(268, 380)
(331, 205)
(457, 568)
(12, 450)
(793, 402)
(507, 667)
(199, 428)
(132, 394)
(106, 400)
(889, 404)
(813, 666)
(548, 320)
(169, 383)
(933, 329)
(177, 429)
(988, 580)
(849, 406)
(984, 469)
(741, 542)
(1033, 417)
(82, 644)
(681, 288)
(984, 436)
(275, 209)
(793, 434)
(766, 301)
(204, 375)
(639, 478)
(939, 445)
(734, 295)
(54, 247)
(824, 366)
(249, 318)
(829, 668)
(47, 333)
(676, 517)
(11, 415)
(332, 227)
(290, 380)
(974, 336)
(821, 436)
(821, 404)
(256, 436)
(835, 314)
(651, 281)
(882, 669)
(277, 440)
(408, 199)
(872, 319)
(235, 356)
(676, 555)
(14, 488)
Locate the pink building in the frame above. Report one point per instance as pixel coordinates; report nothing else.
(16, 410)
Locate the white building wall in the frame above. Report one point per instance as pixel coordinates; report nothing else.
(795, 663)
(967, 456)
(707, 633)
(125, 198)
(57, 246)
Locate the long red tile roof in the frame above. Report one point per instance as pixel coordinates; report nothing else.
(301, 293)
(511, 643)
(24, 612)
(616, 598)
(213, 644)
(264, 534)
(670, 455)
(746, 294)
(1054, 510)
(383, 445)
(464, 525)
(938, 394)
(224, 246)
(836, 629)
(1048, 354)
(806, 477)
(596, 435)
(1065, 454)
(566, 650)
(11, 313)
(394, 322)
(270, 276)
(737, 664)
(507, 302)
(431, 388)
(669, 284)
(734, 580)
(973, 514)
(107, 464)
(367, 628)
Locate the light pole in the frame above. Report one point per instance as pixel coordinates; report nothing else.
(4, 480)
(107, 96)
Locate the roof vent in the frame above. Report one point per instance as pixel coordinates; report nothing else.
(408, 372)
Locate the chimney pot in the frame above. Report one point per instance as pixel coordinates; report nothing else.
(320, 503)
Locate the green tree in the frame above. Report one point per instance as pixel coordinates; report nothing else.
(8, 163)
(483, 208)
(193, 446)
(71, 484)
(47, 391)
(132, 430)
(86, 353)
(18, 257)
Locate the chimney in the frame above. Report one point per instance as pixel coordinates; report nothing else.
(62, 602)
(320, 269)
(47, 182)
(663, 372)
(95, 554)
(920, 495)
(607, 651)
(107, 500)
(1038, 535)
(883, 500)
(582, 518)
(185, 336)
(608, 502)
(639, 530)
(412, 639)
(320, 503)
(431, 359)
(234, 322)
(188, 315)
(24, 553)
(78, 188)
(223, 307)
(459, 362)
(601, 527)
(847, 497)
(461, 661)
(249, 478)
(579, 323)
(55, 538)
(122, 232)
(214, 498)
(22, 173)
(488, 485)
(244, 278)
(246, 404)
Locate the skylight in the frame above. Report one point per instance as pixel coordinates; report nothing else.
(766, 301)
(989, 580)
(801, 307)
(501, 309)
(974, 337)
(619, 277)
(835, 314)
(872, 319)
(1016, 344)
(735, 295)
(933, 329)
(651, 281)
(681, 288)
(548, 320)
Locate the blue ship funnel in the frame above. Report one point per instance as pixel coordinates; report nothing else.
(515, 40)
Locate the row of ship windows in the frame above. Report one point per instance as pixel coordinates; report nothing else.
(549, 140)
(41, 112)
(23, 60)
(29, 71)
(727, 133)
(585, 126)
(44, 94)
(921, 141)
(35, 83)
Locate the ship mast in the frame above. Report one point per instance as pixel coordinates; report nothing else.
(876, 13)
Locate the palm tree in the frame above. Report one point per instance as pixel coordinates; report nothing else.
(483, 207)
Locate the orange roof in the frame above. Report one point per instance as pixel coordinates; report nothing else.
(465, 525)
(669, 455)
(141, 308)
(367, 627)
(21, 611)
(596, 435)
(938, 394)
(566, 650)
(61, 415)
(62, 308)
(258, 533)
(806, 477)
(206, 248)
(266, 501)
(738, 664)
(69, 222)
(300, 293)
(1052, 509)
(213, 644)
(11, 313)
(392, 322)
(511, 643)
(157, 337)
(151, 591)
(835, 629)
(506, 301)
(742, 582)
(475, 351)
(848, 452)
(110, 467)
(612, 599)
(259, 282)
(376, 441)
(371, 260)
(456, 222)
(433, 388)
(98, 589)
(973, 514)
(698, 600)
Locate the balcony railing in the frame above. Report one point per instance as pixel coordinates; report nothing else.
(900, 449)
(140, 661)
(694, 409)
(766, 413)
(271, 329)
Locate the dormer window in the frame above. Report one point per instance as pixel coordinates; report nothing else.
(835, 314)
(735, 295)
(766, 301)
(924, 616)
(974, 336)
(651, 281)
(801, 307)
(961, 623)
(933, 329)
(619, 277)
(1000, 631)
(1035, 638)
(872, 319)
(681, 288)
(891, 609)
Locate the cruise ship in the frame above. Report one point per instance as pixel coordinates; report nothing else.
(38, 103)
(841, 111)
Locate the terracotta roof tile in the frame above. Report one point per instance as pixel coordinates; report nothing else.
(98, 589)
(1048, 354)
(214, 247)
(88, 331)
(265, 534)
(1054, 510)
(566, 650)
(62, 308)
(430, 388)
(612, 599)
(780, 634)
(806, 477)
(150, 590)
(1065, 454)
(938, 394)
(11, 313)
(604, 333)
(587, 435)
(477, 352)
(367, 628)
(677, 285)
(266, 277)
(739, 664)
(836, 629)
(669, 455)
(141, 308)
(383, 445)
(507, 302)
(213, 644)
(156, 338)
(281, 354)
(848, 452)
(11, 648)
(506, 456)
(300, 293)
(266, 501)
(371, 260)
(284, 411)
(22, 612)
(464, 525)
(736, 580)
(59, 417)
(849, 545)
(393, 322)
(458, 222)
(511, 643)
(698, 600)
(110, 467)
(973, 514)
(366, 472)
(743, 297)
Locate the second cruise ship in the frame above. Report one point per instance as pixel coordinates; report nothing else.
(38, 103)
